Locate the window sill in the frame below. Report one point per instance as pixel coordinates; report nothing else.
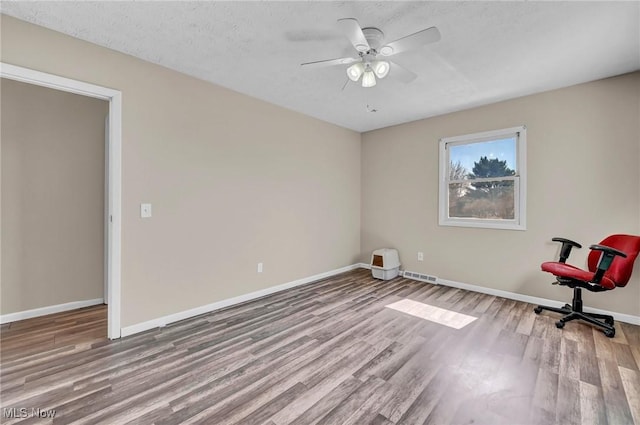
(483, 224)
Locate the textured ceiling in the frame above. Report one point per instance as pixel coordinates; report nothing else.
(489, 51)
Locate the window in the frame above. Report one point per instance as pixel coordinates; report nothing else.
(483, 180)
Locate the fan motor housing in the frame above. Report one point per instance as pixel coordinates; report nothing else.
(374, 37)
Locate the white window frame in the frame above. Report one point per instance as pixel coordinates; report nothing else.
(520, 180)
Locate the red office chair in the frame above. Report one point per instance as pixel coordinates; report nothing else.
(610, 266)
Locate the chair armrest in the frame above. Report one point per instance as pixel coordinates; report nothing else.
(569, 241)
(605, 261)
(567, 244)
(608, 250)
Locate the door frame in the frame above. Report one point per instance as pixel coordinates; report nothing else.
(114, 170)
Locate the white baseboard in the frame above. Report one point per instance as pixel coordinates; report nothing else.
(43, 311)
(165, 320)
(621, 317)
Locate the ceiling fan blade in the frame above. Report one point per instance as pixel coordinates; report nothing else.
(401, 73)
(413, 41)
(329, 62)
(352, 30)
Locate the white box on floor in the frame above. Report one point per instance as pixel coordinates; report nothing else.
(385, 263)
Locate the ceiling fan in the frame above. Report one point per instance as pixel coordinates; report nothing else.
(372, 52)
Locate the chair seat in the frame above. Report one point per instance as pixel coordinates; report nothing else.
(572, 272)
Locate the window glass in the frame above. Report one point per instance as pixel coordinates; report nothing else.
(482, 185)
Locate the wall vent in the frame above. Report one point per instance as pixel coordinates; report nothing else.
(421, 277)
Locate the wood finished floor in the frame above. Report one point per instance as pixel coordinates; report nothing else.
(331, 353)
(41, 334)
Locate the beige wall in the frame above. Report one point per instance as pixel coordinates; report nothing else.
(52, 197)
(233, 180)
(583, 146)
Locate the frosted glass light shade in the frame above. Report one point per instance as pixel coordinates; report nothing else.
(368, 79)
(386, 51)
(381, 68)
(355, 71)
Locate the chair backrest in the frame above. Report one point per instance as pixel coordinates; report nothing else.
(621, 268)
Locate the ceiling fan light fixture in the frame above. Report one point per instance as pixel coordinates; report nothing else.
(381, 68)
(372, 48)
(355, 71)
(368, 78)
(386, 50)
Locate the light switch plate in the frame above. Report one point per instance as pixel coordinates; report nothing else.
(145, 210)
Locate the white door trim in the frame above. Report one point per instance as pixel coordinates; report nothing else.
(107, 218)
(114, 97)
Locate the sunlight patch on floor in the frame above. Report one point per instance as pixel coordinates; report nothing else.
(434, 314)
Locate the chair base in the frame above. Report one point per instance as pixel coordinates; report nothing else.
(574, 312)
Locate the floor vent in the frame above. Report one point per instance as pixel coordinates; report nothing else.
(421, 277)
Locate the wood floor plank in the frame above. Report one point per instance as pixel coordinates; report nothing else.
(604, 346)
(368, 411)
(409, 381)
(428, 398)
(503, 398)
(631, 383)
(621, 335)
(389, 361)
(312, 414)
(632, 333)
(635, 351)
(380, 420)
(551, 352)
(526, 321)
(568, 410)
(343, 411)
(545, 399)
(266, 410)
(569, 366)
(587, 357)
(448, 404)
(617, 406)
(624, 356)
(533, 350)
(328, 352)
(592, 407)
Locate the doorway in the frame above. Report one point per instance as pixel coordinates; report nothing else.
(112, 175)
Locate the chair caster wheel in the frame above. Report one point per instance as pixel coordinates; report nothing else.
(559, 324)
(537, 310)
(610, 332)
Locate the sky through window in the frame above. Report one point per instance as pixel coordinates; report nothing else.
(468, 154)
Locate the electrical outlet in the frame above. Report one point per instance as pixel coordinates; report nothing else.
(420, 256)
(259, 267)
